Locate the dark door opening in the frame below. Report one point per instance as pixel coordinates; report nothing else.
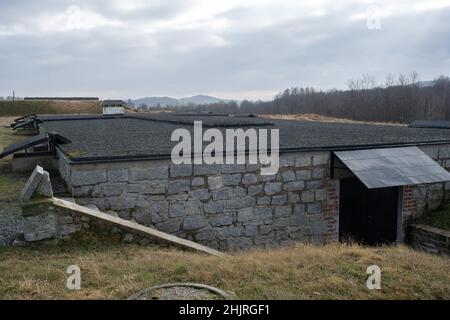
(367, 215)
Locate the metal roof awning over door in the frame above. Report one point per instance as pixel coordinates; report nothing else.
(392, 167)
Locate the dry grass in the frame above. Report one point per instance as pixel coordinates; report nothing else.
(320, 118)
(23, 107)
(304, 272)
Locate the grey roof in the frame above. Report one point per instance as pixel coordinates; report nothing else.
(108, 102)
(392, 167)
(208, 120)
(438, 124)
(144, 136)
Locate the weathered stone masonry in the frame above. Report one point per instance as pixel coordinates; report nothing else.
(233, 206)
(222, 206)
(420, 199)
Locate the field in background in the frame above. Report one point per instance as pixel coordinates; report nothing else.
(24, 107)
(319, 118)
(112, 271)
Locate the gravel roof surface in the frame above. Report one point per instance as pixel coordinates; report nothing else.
(139, 136)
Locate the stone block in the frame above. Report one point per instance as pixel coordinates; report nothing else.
(198, 182)
(169, 225)
(224, 193)
(233, 168)
(178, 186)
(265, 229)
(206, 235)
(293, 197)
(192, 207)
(245, 215)
(303, 174)
(157, 173)
(33, 182)
(299, 209)
(159, 206)
(231, 179)
(303, 161)
(283, 212)
(214, 206)
(194, 223)
(250, 230)
(279, 200)
(249, 178)
(321, 159)
(294, 186)
(240, 202)
(113, 189)
(177, 210)
(133, 188)
(200, 194)
(319, 173)
(122, 202)
(280, 223)
(315, 184)
(263, 200)
(154, 187)
(288, 176)
(205, 169)
(39, 227)
(180, 170)
(254, 190)
(81, 191)
(144, 216)
(286, 162)
(44, 189)
(272, 188)
(230, 232)
(88, 177)
(307, 196)
(118, 175)
(219, 220)
(263, 213)
(215, 182)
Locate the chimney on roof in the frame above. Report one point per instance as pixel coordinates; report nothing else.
(113, 107)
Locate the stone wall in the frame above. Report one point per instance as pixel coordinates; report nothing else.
(222, 206)
(420, 199)
(233, 206)
(429, 239)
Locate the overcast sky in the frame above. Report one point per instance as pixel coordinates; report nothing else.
(230, 49)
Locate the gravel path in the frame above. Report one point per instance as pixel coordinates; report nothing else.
(11, 223)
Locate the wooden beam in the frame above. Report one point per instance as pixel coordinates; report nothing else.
(133, 226)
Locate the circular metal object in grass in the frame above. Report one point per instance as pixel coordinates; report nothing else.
(182, 291)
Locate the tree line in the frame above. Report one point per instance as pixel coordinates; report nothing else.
(400, 99)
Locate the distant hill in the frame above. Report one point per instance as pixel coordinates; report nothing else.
(168, 101)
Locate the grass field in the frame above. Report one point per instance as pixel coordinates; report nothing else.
(24, 107)
(115, 271)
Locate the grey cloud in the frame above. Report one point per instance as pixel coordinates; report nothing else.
(321, 51)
